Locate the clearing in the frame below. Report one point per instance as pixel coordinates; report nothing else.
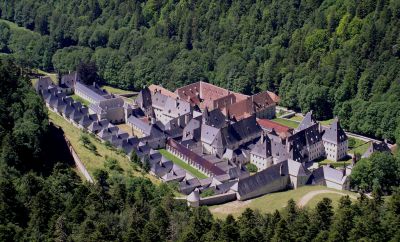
(115, 90)
(182, 164)
(286, 122)
(277, 201)
(89, 159)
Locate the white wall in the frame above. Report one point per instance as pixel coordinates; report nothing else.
(261, 162)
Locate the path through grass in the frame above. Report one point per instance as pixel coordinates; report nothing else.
(273, 201)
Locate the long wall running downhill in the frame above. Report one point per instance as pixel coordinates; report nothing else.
(81, 167)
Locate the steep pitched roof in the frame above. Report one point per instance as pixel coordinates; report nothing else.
(269, 125)
(212, 168)
(144, 98)
(297, 168)
(335, 134)
(327, 173)
(376, 147)
(262, 178)
(263, 147)
(214, 118)
(43, 84)
(234, 133)
(307, 121)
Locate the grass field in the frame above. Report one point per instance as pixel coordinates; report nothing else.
(115, 90)
(281, 112)
(334, 197)
(360, 146)
(286, 122)
(53, 76)
(296, 118)
(326, 122)
(275, 201)
(89, 159)
(79, 99)
(182, 164)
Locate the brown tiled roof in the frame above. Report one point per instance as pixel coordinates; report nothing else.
(274, 97)
(268, 124)
(196, 158)
(153, 88)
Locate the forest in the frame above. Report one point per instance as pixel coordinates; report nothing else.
(43, 199)
(337, 58)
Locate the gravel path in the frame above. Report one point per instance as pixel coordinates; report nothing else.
(306, 198)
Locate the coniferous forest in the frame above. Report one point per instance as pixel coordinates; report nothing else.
(337, 58)
(43, 199)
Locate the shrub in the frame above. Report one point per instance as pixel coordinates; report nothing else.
(207, 193)
(85, 140)
(112, 164)
(251, 167)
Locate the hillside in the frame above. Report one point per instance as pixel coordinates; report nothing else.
(334, 57)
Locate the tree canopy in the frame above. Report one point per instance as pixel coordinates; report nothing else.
(338, 58)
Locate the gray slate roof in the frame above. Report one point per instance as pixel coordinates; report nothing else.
(262, 148)
(89, 92)
(306, 122)
(262, 178)
(376, 147)
(214, 118)
(335, 134)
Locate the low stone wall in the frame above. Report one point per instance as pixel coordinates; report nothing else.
(78, 161)
(218, 199)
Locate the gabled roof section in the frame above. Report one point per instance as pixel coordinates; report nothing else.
(262, 178)
(376, 147)
(143, 99)
(263, 147)
(335, 134)
(214, 118)
(307, 121)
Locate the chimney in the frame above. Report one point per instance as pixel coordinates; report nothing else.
(186, 119)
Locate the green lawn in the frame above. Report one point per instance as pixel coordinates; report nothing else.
(281, 112)
(326, 122)
(182, 164)
(296, 118)
(115, 90)
(360, 146)
(53, 76)
(286, 122)
(89, 159)
(335, 163)
(334, 197)
(274, 201)
(79, 99)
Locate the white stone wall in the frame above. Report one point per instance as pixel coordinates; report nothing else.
(335, 152)
(261, 162)
(316, 151)
(160, 116)
(334, 185)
